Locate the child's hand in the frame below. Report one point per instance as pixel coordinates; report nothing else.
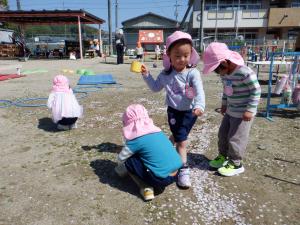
(247, 116)
(197, 112)
(145, 71)
(223, 109)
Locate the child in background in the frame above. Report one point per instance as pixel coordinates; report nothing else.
(240, 99)
(63, 103)
(157, 52)
(148, 155)
(97, 47)
(184, 93)
(139, 51)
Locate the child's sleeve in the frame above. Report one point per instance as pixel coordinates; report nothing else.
(255, 91)
(224, 96)
(154, 85)
(224, 99)
(199, 99)
(124, 154)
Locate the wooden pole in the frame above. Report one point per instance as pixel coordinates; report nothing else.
(80, 39)
(100, 41)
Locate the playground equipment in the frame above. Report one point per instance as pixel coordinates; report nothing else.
(290, 86)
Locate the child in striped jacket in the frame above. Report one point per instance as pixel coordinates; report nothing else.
(240, 99)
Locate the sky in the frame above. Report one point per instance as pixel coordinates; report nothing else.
(127, 8)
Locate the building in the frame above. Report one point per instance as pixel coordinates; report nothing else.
(148, 21)
(247, 19)
(6, 36)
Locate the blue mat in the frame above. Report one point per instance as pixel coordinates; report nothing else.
(96, 79)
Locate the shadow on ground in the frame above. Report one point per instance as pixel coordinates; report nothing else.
(103, 147)
(104, 169)
(47, 124)
(198, 161)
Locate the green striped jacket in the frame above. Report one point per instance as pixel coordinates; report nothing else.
(246, 92)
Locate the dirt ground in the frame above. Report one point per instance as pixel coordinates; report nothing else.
(50, 177)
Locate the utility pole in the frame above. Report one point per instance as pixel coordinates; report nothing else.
(201, 26)
(237, 20)
(116, 14)
(63, 3)
(216, 24)
(18, 5)
(190, 4)
(176, 10)
(109, 28)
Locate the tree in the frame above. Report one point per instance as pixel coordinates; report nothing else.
(3, 3)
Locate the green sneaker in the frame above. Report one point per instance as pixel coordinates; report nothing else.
(217, 162)
(230, 169)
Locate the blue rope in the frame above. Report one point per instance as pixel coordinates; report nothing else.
(90, 88)
(6, 103)
(109, 85)
(21, 102)
(84, 94)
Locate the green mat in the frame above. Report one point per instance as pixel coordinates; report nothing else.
(34, 71)
(85, 72)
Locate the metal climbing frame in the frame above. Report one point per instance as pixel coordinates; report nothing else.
(293, 81)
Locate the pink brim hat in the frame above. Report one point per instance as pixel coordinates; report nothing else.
(61, 84)
(136, 122)
(177, 35)
(217, 52)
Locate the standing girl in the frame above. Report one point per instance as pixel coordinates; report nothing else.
(185, 97)
(63, 104)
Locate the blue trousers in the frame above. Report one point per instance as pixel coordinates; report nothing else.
(135, 166)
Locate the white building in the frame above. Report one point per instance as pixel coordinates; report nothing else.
(250, 19)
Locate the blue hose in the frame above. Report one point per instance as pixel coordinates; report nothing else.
(84, 94)
(6, 103)
(20, 102)
(90, 88)
(109, 85)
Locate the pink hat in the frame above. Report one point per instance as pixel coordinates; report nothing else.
(61, 84)
(217, 52)
(136, 122)
(177, 35)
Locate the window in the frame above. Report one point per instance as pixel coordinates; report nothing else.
(224, 14)
(233, 4)
(295, 4)
(254, 14)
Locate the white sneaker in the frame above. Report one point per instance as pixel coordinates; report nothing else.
(62, 127)
(184, 180)
(147, 193)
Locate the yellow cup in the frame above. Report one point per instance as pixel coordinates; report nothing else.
(136, 67)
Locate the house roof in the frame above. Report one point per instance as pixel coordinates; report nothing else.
(36, 17)
(149, 14)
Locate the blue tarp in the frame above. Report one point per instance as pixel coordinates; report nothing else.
(96, 79)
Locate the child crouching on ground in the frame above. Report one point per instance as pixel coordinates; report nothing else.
(63, 104)
(148, 155)
(240, 99)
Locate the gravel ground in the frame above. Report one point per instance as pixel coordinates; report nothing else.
(50, 177)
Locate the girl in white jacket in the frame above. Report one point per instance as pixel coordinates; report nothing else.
(63, 104)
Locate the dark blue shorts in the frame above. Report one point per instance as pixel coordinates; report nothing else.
(67, 121)
(181, 123)
(135, 166)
